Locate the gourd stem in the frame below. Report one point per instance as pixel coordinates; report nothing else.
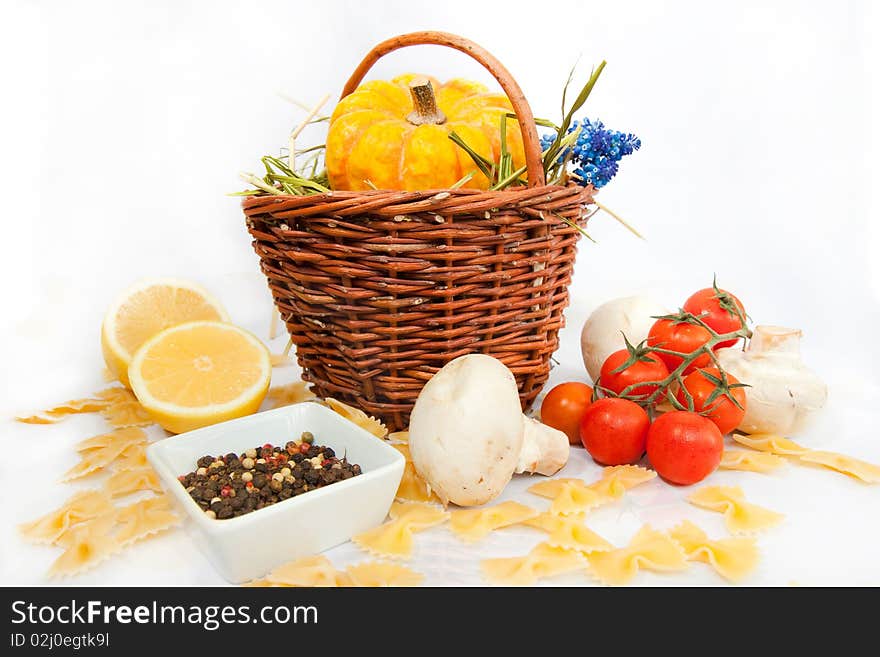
(425, 108)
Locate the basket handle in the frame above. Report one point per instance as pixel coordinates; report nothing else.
(531, 142)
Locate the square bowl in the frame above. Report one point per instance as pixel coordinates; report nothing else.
(249, 546)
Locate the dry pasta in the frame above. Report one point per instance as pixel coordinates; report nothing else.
(739, 516)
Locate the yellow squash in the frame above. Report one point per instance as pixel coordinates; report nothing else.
(395, 134)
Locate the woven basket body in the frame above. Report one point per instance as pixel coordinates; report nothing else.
(380, 289)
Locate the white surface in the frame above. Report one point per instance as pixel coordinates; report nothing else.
(124, 124)
(251, 545)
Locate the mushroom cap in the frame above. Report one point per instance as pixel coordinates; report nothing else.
(466, 430)
(600, 335)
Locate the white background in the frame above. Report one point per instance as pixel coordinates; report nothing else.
(123, 126)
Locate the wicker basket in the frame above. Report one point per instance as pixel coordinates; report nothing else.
(380, 289)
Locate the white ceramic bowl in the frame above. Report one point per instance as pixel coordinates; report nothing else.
(249, 546)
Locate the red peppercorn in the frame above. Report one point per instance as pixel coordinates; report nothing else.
(282, 458)
(249, 484)
(181, 478)
(304, 447)
(268, 446)
(326, 462)
(225, 491)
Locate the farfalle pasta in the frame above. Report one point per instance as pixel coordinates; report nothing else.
(741, 459)
(768, 442)
(394, 538)
(618, 479)
(145, 518)
(357, 416)
(568, 495)
(569, 532)
(862, 470)
(292, 393)
(122, 437)
(58, 413)
(308, 571)
(382, 573)
(649, 550)
(126, 482)
(412, 487)
(96, 458)
(85, 546)
(471, 525)
(734, 558)
(132, 458)
(79, 508)
(739, 516)
(853, 467)
(543, 561)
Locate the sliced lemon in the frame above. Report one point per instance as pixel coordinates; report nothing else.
(147, 308)
(200, 373)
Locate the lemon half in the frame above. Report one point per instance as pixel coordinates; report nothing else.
(200, 373)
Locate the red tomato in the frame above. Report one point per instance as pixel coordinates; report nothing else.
(648, 368)
(563, 407)
(614, 431)
(725, 414)
(684, 447)
(679, 336)
(718, 306)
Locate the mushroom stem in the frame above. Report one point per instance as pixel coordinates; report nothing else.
(425, 108)
(544, 449)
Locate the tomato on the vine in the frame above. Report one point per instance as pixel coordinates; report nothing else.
(564, 406)
(718, 308)
(708, 390)
(616, 375)
(681, 336)
(614, 431)
(684, 447)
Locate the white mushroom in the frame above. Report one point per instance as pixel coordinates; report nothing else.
(784, 394)
(467, 432)
(601, 334)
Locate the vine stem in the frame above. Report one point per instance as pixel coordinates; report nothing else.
(687, 359)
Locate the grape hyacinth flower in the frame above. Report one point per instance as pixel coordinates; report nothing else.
(595, 153)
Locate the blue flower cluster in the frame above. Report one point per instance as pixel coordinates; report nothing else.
(597, 151)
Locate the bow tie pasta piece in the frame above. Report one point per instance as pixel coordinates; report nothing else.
(144, 518)
(132, 458)
(862, 470)
(292, 393)
(125, 437)
(412, 487)
(741, 459)
(94, 457)
(86, 545)
(649, 550)
(58, 413)
(732, 558)
(768, 442)
(739, 516)
(569, 532)
(382, 573)
(394, 538)
(618, 479)
(123, 409)
(568, 495)
(399, 437)
(543, 561)
(79, 508)
(126, 482)
(357, 416)
(308, 571)
(471, 525)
